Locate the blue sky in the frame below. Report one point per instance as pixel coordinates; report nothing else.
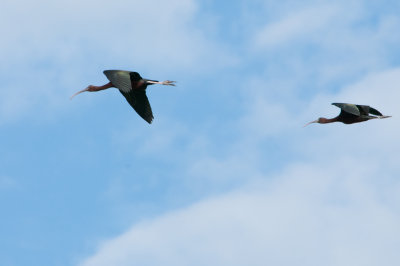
(226, 174)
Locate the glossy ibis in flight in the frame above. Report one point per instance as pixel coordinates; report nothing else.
(133, 87)
(351, 113)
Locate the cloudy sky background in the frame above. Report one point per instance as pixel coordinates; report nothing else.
(226, 174)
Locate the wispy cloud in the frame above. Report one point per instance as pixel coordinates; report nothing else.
(327, 43)
(307, 215)
(295, 25)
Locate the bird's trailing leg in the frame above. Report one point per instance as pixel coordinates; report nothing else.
(165, 82)
(94, 88)
(378, 117)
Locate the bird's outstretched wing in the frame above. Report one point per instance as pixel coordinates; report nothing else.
(369, 110)
(374, 111)
(139, 101)
(120, 79)
(348, 108)
(364, 109)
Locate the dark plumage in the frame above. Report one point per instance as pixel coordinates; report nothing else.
(133, 87)
(351, 113)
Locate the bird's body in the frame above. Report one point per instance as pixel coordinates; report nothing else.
(351, 113)
(133, 87)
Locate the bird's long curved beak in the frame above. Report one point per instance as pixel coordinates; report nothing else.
(85, 89)
(315, 121)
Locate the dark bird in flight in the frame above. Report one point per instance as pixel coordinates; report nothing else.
(351, 113)
(133, 87)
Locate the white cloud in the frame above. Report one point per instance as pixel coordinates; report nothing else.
(137, 28)
(307, 215)
(327, 43)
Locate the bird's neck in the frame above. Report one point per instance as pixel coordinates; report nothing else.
(99, 88)
(324, 120)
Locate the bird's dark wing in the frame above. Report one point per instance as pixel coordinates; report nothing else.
(349, 108)
(139, 101)
(366, 110)
(373, 111)
(120, 79)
